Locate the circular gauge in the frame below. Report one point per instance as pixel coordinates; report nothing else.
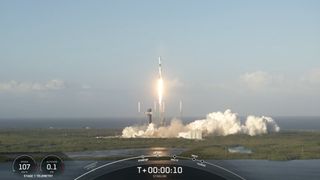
(52, 164)
(24, 165)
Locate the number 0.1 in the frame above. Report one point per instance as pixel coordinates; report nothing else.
(51, 167)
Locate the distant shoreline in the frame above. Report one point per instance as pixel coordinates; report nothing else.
(285, 123)
(285, 145)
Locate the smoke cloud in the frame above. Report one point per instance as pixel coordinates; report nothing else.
(14, 86)
(216, 123)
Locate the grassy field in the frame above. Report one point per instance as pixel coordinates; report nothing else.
(280, 146)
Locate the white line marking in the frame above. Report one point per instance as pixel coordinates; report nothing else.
(216, 166)
(137, 157)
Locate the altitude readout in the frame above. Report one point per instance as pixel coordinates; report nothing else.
(160, 170)
(52, 165)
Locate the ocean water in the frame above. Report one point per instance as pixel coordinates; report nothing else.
(275, 170)
(285, 123)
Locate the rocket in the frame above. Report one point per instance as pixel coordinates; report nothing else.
(160, 68)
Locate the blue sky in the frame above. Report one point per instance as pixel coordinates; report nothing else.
(98, 58)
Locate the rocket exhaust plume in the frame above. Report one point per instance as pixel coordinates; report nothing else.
(215, 123)
(160, 93)
(160, 90)
(160, 84)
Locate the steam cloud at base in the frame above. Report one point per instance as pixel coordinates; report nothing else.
(216, 123)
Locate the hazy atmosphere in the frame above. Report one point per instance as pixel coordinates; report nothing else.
(98, 59)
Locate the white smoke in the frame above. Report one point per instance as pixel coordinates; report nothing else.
(151, 130)
(14, 86)
(216, 123)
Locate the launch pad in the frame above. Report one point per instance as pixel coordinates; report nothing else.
(156, 115)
